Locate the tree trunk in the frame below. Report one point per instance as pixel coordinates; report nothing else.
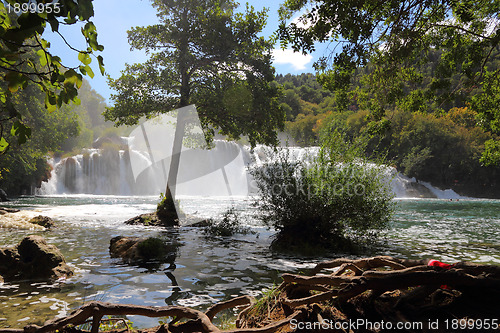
(167, 210)
(170, 190)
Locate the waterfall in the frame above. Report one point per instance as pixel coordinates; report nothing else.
(97, 171)
(220, 171)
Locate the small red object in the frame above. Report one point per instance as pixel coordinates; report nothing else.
(437, 263)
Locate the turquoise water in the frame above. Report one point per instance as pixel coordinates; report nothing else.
(208, 270)
(464, 230)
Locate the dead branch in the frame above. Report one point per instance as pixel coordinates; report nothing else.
(365, 263)
(311, 299)
(321, 279)
(272, 327)
(100, 309)
(200, 322)
(348, 266)
(238, 301)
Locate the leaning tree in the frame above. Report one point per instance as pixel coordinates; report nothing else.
(388, 43)
(205, 53)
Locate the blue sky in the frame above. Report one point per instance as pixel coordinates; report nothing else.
(114, 17)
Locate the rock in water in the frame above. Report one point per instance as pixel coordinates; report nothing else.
(135, 250)
(44, 221)
(152, 219)
(33, 259)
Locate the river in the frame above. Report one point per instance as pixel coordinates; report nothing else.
(208, 270)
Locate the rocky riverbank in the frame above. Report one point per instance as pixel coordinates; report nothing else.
(364, 295)
(33, 259)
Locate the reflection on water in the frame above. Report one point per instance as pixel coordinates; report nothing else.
(207, 270)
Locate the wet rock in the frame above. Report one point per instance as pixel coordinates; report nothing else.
(44, 221)
(33, 259)
(152, 219)
(136, 250)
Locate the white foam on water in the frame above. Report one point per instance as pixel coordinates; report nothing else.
(20, 220)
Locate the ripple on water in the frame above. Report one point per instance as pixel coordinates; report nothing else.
(212, 269)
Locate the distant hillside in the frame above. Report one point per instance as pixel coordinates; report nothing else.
(438, 141)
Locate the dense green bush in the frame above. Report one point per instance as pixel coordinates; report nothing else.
(229, 225)
(333, 200)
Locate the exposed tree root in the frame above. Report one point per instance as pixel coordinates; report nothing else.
(375, 289)
(387, 289)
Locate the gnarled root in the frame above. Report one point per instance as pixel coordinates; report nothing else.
(376, 289)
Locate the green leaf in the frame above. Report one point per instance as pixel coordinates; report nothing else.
(73, 78)
(43, 57)
(3, 145)
(86, 9)
(62, 98)
(54, 24)
(20, 130)
(16, 80)
(89, 71)
(83, 70)
(50, 102)
(3, 97)
(101, 64)
(84, 58)
(70, 20)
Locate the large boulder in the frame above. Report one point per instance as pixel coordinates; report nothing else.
(33, 259)
(135, 250)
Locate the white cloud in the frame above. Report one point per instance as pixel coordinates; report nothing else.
(296, 59)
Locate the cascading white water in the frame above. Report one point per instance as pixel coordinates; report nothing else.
(221, 171)
(97, 171)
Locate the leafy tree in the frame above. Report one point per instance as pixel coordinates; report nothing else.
(25, 166)
(202, 53)
(92, 122)
(443, 149)
(25, 56)
(291, 99)
(487, 104)
(387, 41)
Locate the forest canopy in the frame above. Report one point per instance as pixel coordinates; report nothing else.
(383, 48)
(441, 147)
